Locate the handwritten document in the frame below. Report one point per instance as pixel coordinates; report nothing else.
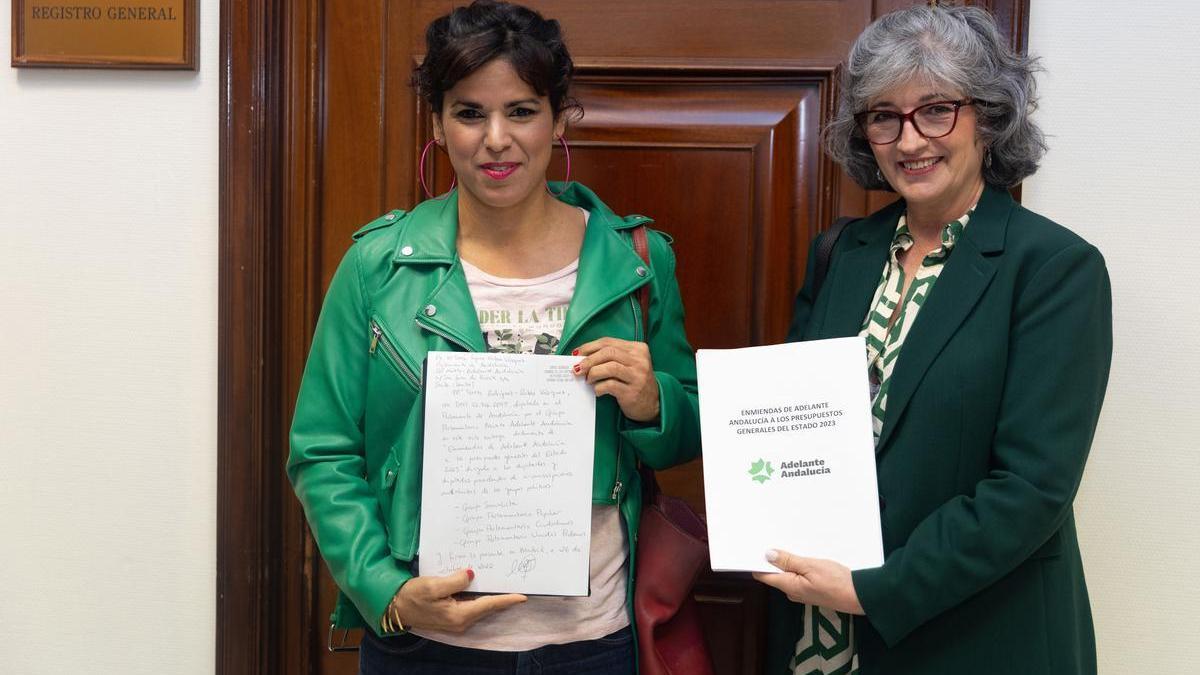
(789, 458)
(507, 478)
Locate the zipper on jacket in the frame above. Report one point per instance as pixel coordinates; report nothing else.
(378, 339)
(618, 486)
(638, 333)
(444, 334)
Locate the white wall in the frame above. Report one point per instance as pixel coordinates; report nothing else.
(108, 298)
(1121, 99)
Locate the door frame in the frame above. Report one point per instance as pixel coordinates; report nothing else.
(248, 473)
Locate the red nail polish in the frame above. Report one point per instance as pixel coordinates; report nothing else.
(470, 574)
(575, 368)
(575, 353)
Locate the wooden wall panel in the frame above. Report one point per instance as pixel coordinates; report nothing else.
(402, 130)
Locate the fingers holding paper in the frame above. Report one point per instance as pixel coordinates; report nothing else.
(812, 581)
(621, 369)
(432, 602)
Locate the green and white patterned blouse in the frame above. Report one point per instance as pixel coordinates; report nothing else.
(826, 644)
(884, 342)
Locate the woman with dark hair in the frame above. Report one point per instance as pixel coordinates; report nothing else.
(989, 337)
(504, 262)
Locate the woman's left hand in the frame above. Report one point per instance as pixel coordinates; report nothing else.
(813, 581)
(621, 369)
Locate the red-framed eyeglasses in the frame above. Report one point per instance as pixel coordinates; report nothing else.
(932, 120)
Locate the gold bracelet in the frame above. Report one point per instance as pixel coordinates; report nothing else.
(391, 620)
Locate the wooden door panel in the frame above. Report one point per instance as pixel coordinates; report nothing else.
(686, 33)
(353, 134)
(706, 254)
(724, 165)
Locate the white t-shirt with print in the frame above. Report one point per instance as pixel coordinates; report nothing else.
(526, 316)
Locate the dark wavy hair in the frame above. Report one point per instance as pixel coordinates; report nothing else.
(463, 41)
(957, 46)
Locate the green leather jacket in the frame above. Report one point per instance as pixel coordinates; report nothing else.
(400, 293)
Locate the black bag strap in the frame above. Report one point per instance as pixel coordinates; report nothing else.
(825, 251)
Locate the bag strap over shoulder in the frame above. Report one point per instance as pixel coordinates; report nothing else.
(641, 244)
(825, 251)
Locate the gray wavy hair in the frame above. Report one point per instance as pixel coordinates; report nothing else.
(956, 46)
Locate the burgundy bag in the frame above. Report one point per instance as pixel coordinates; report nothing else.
(672, 550)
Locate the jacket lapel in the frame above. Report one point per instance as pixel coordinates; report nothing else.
(608, 265)
(854, 274)
(450, 311)
(429, 241)
(959, 287)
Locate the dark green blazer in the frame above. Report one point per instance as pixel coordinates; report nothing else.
(991, 412)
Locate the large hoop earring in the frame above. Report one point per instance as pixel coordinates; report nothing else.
(421, 173)
(566, 181)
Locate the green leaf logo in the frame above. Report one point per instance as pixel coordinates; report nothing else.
(760, 471)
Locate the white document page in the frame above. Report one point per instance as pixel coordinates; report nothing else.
(789, 458)
(507, 479)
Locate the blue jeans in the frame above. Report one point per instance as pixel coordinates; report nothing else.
(412, 655)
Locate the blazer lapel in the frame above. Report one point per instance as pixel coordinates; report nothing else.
(854, 274)
(959, 287)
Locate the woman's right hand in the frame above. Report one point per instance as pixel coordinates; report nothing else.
(430, 602)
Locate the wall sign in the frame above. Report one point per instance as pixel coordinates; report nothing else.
(104, 33)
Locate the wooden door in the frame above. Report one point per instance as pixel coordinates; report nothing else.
(703, 114)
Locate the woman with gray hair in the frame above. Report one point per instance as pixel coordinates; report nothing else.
(989, 336)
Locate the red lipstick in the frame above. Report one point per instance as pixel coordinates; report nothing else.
(498, 170)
